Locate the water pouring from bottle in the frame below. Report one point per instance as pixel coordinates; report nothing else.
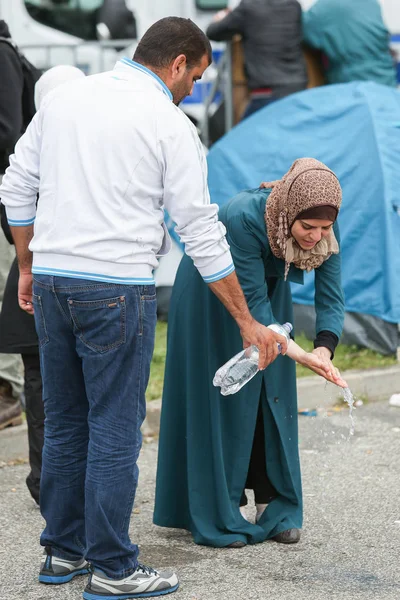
(349, 398)
(242, 367)
(238, 371)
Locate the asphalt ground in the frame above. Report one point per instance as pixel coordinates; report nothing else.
(349, 547)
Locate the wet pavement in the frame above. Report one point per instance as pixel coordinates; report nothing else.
(350, 548)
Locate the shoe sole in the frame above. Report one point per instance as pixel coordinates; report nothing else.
(57, 580)
(237, 544)
(90, 596)
(286, 542)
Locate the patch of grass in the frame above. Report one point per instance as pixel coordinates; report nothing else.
(346, 358)
(154, 389)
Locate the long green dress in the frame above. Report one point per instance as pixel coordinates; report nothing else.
(205, 438)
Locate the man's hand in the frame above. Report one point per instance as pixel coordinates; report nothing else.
(25, 292)
(319, 361)
(266, 341)
(231, 295)
(22, 237)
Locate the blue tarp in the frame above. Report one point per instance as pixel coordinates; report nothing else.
(355, 129)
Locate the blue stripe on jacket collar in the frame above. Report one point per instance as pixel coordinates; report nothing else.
(131, 63)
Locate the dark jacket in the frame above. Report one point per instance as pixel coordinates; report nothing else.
(272, 38)
(17, 328)
(11, 89)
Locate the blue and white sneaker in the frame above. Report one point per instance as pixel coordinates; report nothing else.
(145, 582)
(56, 570)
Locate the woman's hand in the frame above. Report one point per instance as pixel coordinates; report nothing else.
(331, 372)
(318, 361)
(324, 354)
(269, 184)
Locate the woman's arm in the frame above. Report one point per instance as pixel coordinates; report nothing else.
(329, 306)
(246, 250)
(329, 298)
(315, 362)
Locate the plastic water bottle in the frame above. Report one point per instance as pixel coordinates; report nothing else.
(284, 330)
(234, 374)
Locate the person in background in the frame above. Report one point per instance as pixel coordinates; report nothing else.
(17, 327)
(53, 78)
(272, 40)
(213, 447)
(107, 154)
(353, 40)
(11, 127)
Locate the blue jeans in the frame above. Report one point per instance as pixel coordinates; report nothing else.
(96, 343)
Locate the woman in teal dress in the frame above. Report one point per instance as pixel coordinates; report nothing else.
(213, 447)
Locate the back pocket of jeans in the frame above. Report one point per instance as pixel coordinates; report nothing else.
(40, 323)
(100, 324)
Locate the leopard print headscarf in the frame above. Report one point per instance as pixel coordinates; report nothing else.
(308, 183)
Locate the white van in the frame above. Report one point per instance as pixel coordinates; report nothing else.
(48, 23)
(55, 32)
(91, 34)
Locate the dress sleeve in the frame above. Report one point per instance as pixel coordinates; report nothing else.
(246, 250)
(327, 339)
(329, 298)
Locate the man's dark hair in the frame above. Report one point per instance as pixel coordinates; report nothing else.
(170, 37)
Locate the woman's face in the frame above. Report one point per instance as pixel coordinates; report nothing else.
(308, 232)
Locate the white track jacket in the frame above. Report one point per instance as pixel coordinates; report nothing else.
(107, 154)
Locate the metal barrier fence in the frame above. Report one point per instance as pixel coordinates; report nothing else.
(101, 48)
(222, 81)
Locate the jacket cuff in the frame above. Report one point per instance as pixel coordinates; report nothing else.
(218, 269)
(326, 339)
(21, 216)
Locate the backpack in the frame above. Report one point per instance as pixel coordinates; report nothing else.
(30, 74)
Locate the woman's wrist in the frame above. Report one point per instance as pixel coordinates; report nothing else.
(327, 339)
(296, 353)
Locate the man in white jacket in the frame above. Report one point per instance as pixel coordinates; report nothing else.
(107, 154)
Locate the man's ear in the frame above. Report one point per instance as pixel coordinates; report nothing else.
(178, 66)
